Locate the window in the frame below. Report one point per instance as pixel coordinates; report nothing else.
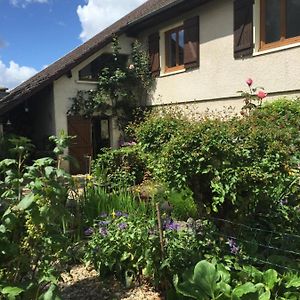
(280, 23)
(91, 71)
(174, 40)
(181, 46)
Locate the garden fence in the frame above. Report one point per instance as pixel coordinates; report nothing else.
(263, 247)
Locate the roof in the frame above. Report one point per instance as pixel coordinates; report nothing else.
(62, 66)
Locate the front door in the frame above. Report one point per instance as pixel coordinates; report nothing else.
(81, 147)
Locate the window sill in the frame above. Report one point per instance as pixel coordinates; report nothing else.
(86, 82)
(275, 49)
(170, 73)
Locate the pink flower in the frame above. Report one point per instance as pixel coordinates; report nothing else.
(249, 81)
(262, 95)
(131, 67)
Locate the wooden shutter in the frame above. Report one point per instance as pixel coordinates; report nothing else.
(243, 28)
(191, 43)
(153, 42)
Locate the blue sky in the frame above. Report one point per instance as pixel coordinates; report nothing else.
(35, 33)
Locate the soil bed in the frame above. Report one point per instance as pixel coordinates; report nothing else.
(82, 283)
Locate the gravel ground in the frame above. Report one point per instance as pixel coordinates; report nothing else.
(84, 284)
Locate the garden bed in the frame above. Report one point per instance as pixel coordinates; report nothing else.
(84, 283)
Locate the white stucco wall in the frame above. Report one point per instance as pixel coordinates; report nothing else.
(216, 82)
(65, 88)
(220, 76)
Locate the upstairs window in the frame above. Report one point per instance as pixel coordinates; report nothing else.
(181, 48)
(91, 71)
(280, 23)
(174, 40)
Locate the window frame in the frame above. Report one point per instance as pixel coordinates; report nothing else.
(178, 66)
(283, 24)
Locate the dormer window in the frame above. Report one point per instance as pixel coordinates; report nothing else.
(91, 71)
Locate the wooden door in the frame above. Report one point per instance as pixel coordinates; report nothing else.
(81, 147)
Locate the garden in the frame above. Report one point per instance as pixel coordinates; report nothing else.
(203, 208)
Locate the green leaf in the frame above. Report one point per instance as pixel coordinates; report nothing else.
(12, 291)
(244, 289)
(206, 277)
(270, 278)
(265, 296)
(2, 229)
(48, 171)
(189, 289)
(295, 282)
(26, 202)
(51, 294)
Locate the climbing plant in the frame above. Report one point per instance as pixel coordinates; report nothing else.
(122, 84)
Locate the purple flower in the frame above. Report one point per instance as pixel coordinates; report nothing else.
(89, 231)
(103, 231)
(118, 213)
(169, 224)
(103, 215)
(234, 248)
(122, 226)
(283, 202)
(103, 223)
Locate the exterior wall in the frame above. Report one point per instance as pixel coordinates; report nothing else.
(219, 76)
(65, 88)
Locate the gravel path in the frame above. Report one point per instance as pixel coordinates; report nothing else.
(84, 284)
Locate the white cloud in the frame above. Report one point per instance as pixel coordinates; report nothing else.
(14, 74)
(24, 3)
(96, 15)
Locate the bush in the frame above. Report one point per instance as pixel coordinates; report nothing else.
(157, 129)
(240, 168)
(120, 168)
(129, 246)
(32, 239)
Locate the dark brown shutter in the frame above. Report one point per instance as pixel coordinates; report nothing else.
(154, 53)
(243, 28)
(191, 43)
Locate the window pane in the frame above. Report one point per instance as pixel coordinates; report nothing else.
(181, 46)
(293, 18)
(272, 18)
(172, 49)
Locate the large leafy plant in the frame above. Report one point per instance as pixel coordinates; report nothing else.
(32, 240)
(216, 281)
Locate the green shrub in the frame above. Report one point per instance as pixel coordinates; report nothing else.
(218, 281)
(123, 244)
(32, 239)
(240, 168)
(157, 129)
(120, 168)
(183, 204)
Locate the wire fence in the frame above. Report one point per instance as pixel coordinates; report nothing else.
(276, 249)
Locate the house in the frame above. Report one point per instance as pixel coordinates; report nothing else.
(201, 52)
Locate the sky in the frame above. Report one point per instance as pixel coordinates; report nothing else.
(35, 33)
